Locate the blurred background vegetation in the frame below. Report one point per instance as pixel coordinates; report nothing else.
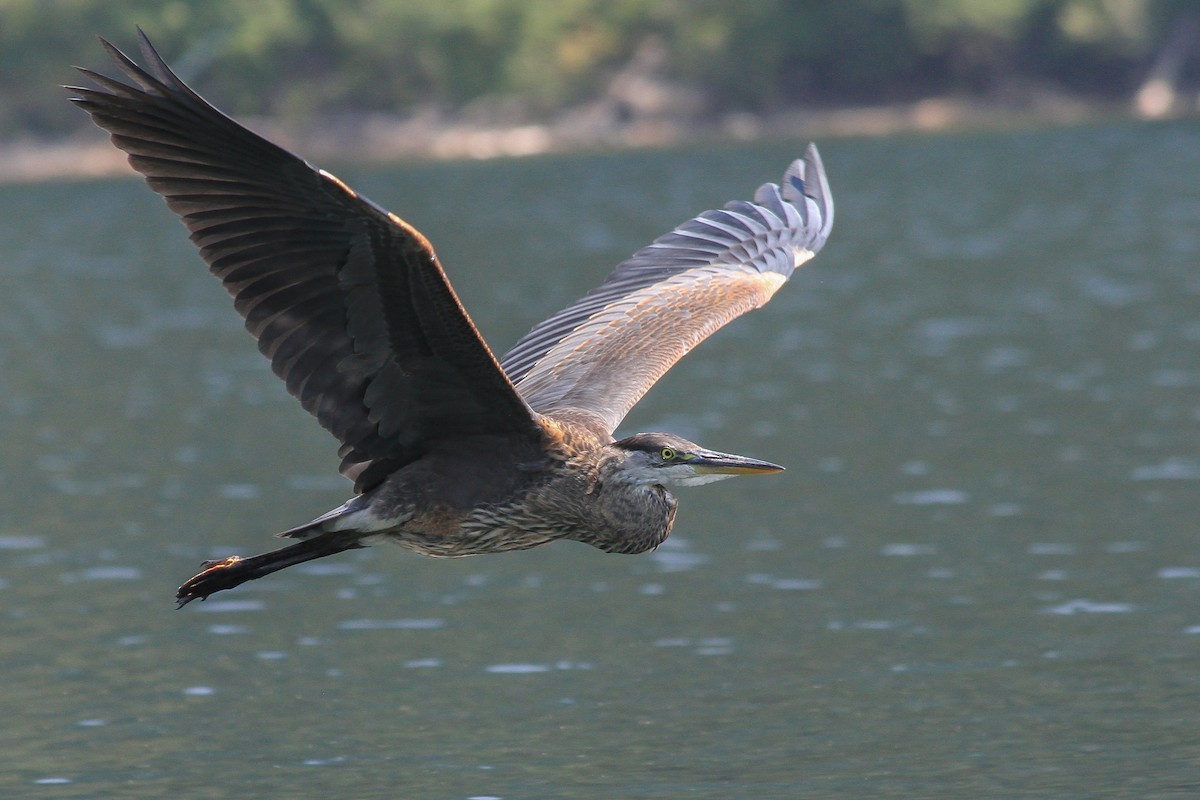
(298, 60)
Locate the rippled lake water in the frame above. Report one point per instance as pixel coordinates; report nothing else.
(979, 576)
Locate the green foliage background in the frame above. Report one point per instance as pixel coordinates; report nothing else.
(299, 58)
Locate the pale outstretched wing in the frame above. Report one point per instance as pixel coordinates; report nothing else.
(347, 300)
(596, 358)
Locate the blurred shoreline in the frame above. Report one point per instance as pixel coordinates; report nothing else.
(434, 135)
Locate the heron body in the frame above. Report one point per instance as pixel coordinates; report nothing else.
(452, 451)
(439, 507)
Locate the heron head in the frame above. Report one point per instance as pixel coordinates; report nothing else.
(660, 458)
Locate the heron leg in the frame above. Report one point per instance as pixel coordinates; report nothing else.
(218, 576)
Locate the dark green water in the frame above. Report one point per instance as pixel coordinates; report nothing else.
(978, 578)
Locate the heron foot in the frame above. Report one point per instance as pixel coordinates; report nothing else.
(213, 578)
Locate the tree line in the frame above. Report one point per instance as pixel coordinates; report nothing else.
(302, 59)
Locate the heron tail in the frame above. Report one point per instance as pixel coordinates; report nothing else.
(217, 576)
(326, 522)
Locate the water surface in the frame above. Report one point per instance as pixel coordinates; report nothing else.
(978, 577)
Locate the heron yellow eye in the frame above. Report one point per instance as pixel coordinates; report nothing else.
(667, 454)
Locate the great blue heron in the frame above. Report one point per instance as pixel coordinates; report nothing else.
(452, 452)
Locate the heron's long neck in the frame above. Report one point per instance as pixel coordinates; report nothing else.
(622, 515)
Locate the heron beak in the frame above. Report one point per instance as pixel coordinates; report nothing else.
(709, 462)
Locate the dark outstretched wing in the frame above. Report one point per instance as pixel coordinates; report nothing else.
(597, 357)
(346, 299)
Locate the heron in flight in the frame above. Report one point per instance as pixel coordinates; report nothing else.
(452, 452)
